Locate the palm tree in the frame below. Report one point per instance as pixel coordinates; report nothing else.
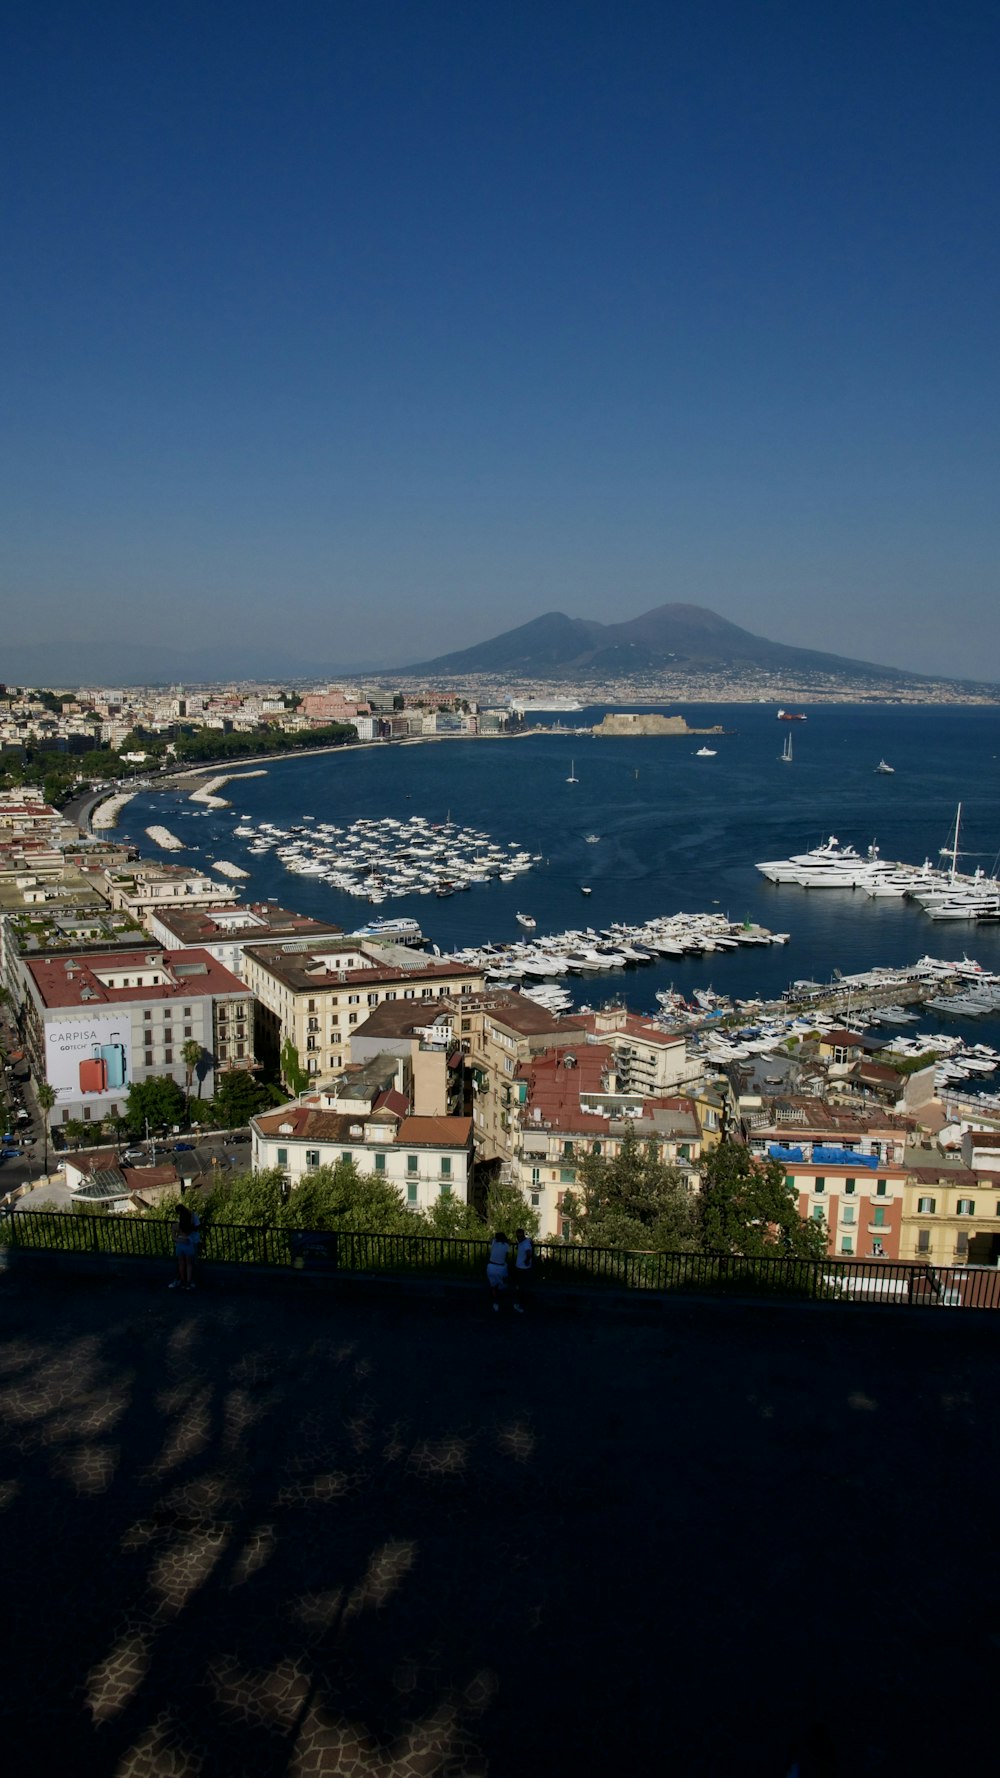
(190, 1056)
(46, 1097)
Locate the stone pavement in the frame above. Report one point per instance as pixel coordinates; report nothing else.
(273, 1535)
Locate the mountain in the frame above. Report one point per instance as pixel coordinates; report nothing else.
(670, 637)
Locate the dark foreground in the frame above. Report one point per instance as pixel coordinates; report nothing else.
(267, 1536)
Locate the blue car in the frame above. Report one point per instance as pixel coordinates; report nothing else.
(183, 1147)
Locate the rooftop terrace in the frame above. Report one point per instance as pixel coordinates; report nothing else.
(264, 1533)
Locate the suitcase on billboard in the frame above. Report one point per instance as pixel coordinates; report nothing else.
(93, 1075)
(113, 1057)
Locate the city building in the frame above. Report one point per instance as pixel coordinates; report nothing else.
(225, 931)
(316, 996)
(369, 1116)
(95, 1023)
(846, 1167)
(572, 1103)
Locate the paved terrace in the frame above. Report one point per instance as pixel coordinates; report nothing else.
(271, 1534)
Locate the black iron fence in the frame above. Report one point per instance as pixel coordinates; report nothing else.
(890, 1282)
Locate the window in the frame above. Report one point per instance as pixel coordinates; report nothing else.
(187, 1031)
(334, 1020)
(446, 1188)
(595, 1148)
(536, 1174)
(412, 1163)
(966, 1207)
(352, 1018)
(565, 1231)
(311, 1006)
(411, 1191)
(147, 1015)
(446, 1166)
(168, 1055)
(568, 1150)
(353, 999)
(820, 1185)
(223, 1052)
(926, 1206)
(880, 1189)
(187, 1012)
(846, 1244)
(847, 1214)
(923, 1240)
(312, 1157)
(373, 999)
(86, 1113)
(961, 1241)
(817, 1215)
(567, 1176)
(282, 1157)
(380, 1163)
(346, 1155)
(508, 1064)
(880, 1218)
(149, 1058)
(466, 1024)
(848, 1186)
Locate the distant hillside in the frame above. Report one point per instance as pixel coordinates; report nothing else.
(672, 636)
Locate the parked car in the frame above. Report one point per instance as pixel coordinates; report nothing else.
(135, 1155)
(183, 1147)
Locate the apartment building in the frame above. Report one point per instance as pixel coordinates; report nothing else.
(846, 1166)
(140, 889)
(571, 1103)
(369, 1116)
(425, 1036)
(224, 931)
(951, 1202)
(93, 1024)
(319, 994)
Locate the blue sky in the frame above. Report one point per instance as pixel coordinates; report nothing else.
(365, 331)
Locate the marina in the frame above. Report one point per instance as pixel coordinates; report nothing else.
(383, 858)
(647, 827)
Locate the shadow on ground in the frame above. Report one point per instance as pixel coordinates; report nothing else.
(275, 1536)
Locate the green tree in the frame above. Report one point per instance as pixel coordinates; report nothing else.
(46, 1096)
(632, 1201)
(158, 1100)
(237, 1098)
(292, 1072)
(74, 1130)
(747, 1208)
(191, 1054)
(507, 1208)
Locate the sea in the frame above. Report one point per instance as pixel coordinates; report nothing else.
(676, 832)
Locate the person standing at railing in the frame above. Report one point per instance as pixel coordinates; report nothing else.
(185, 1239)
(524, 1261)
(496, 1268)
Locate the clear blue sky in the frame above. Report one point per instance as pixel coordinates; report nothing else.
(376, 329)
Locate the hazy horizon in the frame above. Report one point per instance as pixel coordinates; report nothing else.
(365, 334)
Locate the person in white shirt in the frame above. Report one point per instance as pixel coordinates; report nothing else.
(496, 1267)
(523, 1263)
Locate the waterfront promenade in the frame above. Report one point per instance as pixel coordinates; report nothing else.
(251, 1534)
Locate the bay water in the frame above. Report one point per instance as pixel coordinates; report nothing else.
(676, 832)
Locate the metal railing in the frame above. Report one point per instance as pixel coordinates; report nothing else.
(887, 1282)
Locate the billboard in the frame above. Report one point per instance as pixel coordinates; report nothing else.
(89, 1057)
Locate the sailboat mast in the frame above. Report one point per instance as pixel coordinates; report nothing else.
(954, 850)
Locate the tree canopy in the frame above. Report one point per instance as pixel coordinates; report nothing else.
(632, 1201)
(159, 1100)
(746, 1208)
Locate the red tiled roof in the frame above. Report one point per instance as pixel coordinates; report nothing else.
(57, 987)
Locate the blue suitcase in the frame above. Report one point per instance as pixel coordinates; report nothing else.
(113, 1056)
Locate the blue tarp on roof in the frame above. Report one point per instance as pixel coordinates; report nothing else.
(844, 1157)
(778, 1153)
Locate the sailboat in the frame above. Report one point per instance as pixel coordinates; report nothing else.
(572, 779)
(786, 751)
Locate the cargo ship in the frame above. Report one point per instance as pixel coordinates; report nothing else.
(791, 716)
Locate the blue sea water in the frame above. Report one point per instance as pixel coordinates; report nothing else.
(677, 832)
